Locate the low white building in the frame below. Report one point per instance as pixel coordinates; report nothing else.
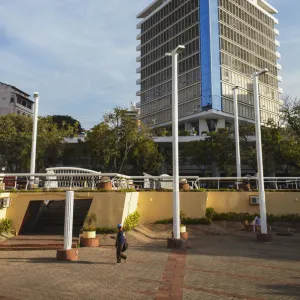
(13, 100)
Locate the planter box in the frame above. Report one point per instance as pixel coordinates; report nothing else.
(89, 242)
(182, 229)
(89, 234)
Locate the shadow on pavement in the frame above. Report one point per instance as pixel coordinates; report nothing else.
(51, 260)
(291, 290)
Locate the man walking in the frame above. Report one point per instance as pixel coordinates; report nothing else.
(120, 242)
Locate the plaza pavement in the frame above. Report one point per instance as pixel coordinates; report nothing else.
(215, 267)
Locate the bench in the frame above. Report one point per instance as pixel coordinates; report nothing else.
(10, 182)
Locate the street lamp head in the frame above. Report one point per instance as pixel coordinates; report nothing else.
(179, 49)
(263, 71)
(236, 87)
(35, 94)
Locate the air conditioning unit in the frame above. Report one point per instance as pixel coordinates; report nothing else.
(5, 202)
(254, 200)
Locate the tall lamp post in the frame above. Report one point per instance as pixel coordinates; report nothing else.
(176, 205)
(260, 169)
(34, 135)
(237, 134)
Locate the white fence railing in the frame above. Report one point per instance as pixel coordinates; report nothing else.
(89, 180)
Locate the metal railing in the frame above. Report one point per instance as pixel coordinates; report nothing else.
(75, 181)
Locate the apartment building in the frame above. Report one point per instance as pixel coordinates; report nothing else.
(13, 100)
(226, 41)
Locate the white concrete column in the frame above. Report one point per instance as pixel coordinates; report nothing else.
(176, 197)
(260, 168)
(220, 124)
(68, 234)
(34, 135)
(203, 126)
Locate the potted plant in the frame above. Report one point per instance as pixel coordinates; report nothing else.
(182, 226)
(183, 185)
(105, 183)
(89, 231)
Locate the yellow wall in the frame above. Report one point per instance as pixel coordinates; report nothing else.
(277, 203)
(2, 213)
(238, 202)
(3, 210)
(112, 208)
(107, 206)
(281, 203)
(154, 206)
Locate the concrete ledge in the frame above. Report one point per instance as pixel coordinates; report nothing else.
(89, 242)
(177, 243)
(67, 255)
(264, 237)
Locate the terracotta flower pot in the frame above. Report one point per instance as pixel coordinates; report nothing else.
(184, 186)
(107, 185)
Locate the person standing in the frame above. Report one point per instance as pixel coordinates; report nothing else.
(120, 242)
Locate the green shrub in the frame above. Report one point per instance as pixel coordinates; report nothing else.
(5, 226)
(182, 215)
(187, 221)
(231, 216)
(210, 212)
(106, 230)
(164, 221)
(89, 221)
(196, 221)
(131, 221)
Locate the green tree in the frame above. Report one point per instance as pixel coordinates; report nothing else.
(217, 148)
(64, 120)
(16, 139)
(146, 157)
(115, 141)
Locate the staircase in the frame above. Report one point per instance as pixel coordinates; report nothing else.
(49, 219)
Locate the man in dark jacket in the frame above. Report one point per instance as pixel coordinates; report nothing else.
(120, 241)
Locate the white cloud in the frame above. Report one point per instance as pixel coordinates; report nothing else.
(79, 55)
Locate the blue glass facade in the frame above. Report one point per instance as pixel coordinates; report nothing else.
(210, 55)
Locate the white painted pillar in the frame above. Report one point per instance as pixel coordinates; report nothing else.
(34, 135)
(203, 126)
(176, 209)
(260, 168)
(68, 234)
(237, 133)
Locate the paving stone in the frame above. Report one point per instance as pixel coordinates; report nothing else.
(216, 267)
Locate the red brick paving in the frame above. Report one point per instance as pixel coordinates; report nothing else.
(173, 277)
(237, 275)
(21, 242)
(219, 293)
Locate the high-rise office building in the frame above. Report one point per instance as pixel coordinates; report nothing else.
(226, 41)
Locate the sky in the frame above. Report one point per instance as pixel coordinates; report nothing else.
(81, 55)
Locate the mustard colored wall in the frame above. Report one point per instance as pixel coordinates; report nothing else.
(3, 210)
(277, 203)
(19, 204)
(107, 206)
(281, 203)
(154, 206)
(112, 208)
(237, 202)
